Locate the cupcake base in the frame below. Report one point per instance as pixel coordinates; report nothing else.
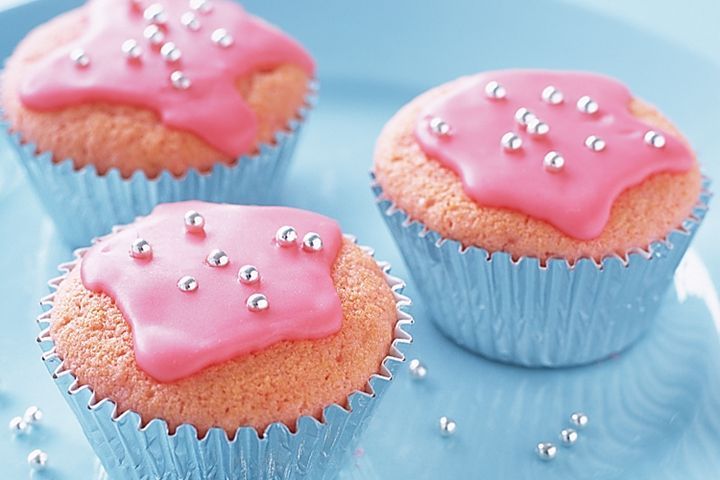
(131, 449)
(524, 312)
(85, 204)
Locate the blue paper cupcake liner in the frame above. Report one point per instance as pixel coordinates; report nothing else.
(130, 449)
(536, 314)
(85, 204)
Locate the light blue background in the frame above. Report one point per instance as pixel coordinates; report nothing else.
(653, 410)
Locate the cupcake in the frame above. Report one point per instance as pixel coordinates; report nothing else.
(120, 105)
(542, 214)
(224, 341)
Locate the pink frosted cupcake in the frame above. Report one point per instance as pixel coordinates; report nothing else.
(122, 104)
(542, 213)
(217, 331)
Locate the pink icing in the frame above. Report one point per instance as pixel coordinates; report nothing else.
(578, 199)
(211, 107)
(178, 333)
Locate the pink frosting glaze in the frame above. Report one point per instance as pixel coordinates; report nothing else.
(211, 107)
(177, 333)
(577, 199)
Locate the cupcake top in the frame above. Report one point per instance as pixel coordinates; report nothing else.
(204, 68)
(545, 161)
(220, 315)
(202, 288)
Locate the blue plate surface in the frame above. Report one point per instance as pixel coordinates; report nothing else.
(653, 410)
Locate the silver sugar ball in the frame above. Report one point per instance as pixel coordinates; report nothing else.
(654, 139)
(170, 52)
(217, 258)
(579, 419)
(131, 49)
(155, 14)
(187, 283)
(568, 436)
(494, 90)
(194, 222)
(179, 80)
(546, 450)
(553, 162)
(552, 95)
(257, 302)
(79, 57)
(202, 6)
(37, 459)
(286, 236)
(222, 38)
(595, 143)
(523, 116)
(154, 35)
(248, 274)
(537, 127)
(32, 414)
(18, 426)
(312, 242)
(447, 426)
(190, 21)
(511, 141)
(439, 127)
(418, 371)
(587, 105)
(140, 248)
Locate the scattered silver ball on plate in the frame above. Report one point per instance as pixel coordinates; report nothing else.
(187, 283)
(155, 14)
(202, 6)
(595, 143)
(655, 139)
(511, 141)
(222, 38)
(579, 419)
(37, 459)
(18, 426)
(190, 21)
(257, 302)
(587, 105)
(418, 371)
(568, 436)
(537, 127)
(439, 127)
(79, 57)
(552, 95)
(170, 52)
(32, 415)
(286, 236)
(248, 274)
(194, 222)
(154, 35)
(131, 49)
(553, 162)
(447, 426)
(546, 450)
(312, 242)
(217, 258)
(140, 248)
(494, 90)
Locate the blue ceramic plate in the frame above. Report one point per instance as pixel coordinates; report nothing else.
(654, 410)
